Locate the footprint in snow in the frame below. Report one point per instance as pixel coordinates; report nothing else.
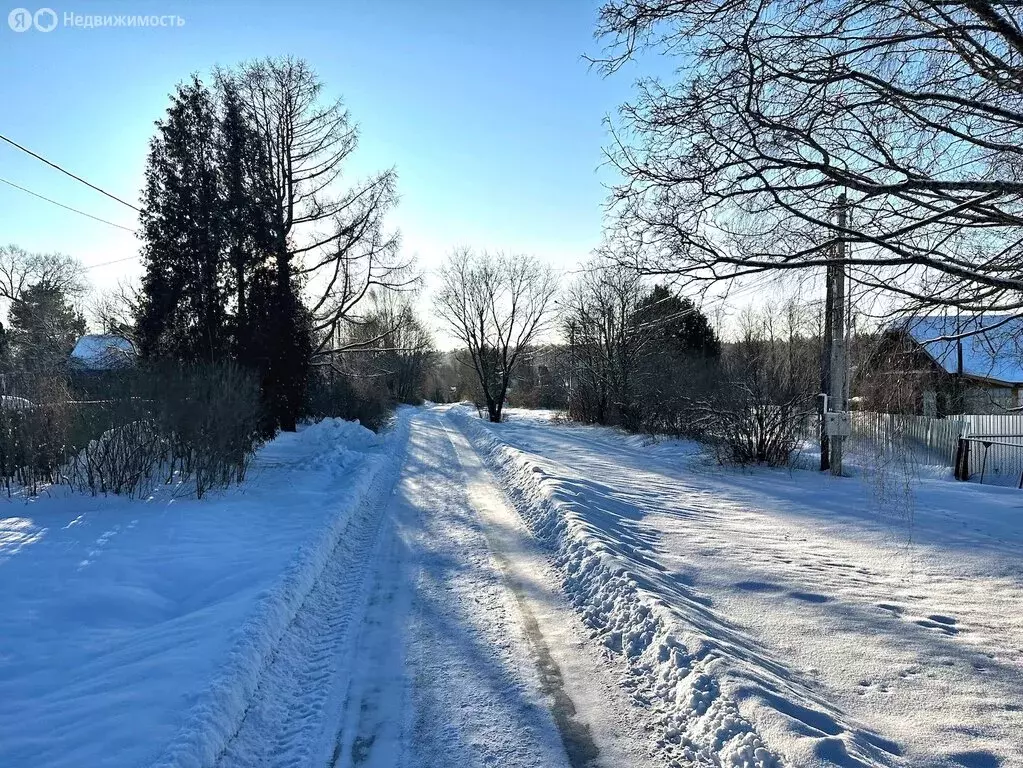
(867, 687)
(942, 626)
(809, 597)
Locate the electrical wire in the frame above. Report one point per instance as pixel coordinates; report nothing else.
(66, 207)
(39, 157)
(108, 263)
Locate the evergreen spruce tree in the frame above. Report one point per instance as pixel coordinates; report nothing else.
(184, 310)
(44, 328)
(239, 194)
(675, 325)
(246, 204)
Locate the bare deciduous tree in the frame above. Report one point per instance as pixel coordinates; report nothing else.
(114, 311)
(20, 269)
(391, 343)
(598, 323)
(333, 238)
(912, 108)
(496, 305)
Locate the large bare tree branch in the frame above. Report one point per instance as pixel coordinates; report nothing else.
(912, 108)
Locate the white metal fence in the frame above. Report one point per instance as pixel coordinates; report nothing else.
(933, 441)
(994, 451)
(995, 448)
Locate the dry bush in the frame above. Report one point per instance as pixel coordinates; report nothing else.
(209, 414)
(122, 460)
(124, 432)
(333, 394)
(35, 431)
(764, 394)
(194, 425)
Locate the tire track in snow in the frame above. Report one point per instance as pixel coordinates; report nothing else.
(698, 725)
(411, 650)
(371, 727)
(475, 700)
(289, 718)
(596, 723)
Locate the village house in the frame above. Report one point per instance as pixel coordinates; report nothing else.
(942, 365)
(101, 352)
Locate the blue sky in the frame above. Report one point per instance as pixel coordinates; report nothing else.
(487, 109)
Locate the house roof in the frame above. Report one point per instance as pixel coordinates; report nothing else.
(102, 352)
(993, 350)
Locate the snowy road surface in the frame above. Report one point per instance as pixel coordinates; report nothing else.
(438, 636)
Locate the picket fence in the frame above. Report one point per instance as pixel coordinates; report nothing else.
(996, 441)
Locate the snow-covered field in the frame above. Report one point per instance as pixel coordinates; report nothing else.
(772, 616)
(133, 632)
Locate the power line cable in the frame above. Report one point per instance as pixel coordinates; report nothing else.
(67, 172)
(66, 207)
(108, 263)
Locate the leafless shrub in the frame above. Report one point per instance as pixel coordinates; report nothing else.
(196, 426)
(124, 432)
(34, 433)
(764, 398)
(334, 393)
(123, 460)
(209, 414)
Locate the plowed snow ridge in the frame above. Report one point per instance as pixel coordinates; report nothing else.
(699, 724)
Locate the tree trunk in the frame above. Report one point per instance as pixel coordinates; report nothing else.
(287, 413)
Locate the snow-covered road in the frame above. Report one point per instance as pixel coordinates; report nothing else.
(456, 593)
(438, 636)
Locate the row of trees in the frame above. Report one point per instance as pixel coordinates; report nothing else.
(385, 358)
(632, 352)
(254, 250)
(631, 355)
(270, 292)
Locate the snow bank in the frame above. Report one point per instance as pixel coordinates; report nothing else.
(337, 443)
(134, 632)
(331, 444)
(700, 725)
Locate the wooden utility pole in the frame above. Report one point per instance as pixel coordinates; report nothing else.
(839, 369)
(829, 303)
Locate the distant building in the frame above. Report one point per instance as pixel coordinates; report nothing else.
(941, 365)
(97, 352)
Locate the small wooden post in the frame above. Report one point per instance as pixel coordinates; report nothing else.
(962, 464)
